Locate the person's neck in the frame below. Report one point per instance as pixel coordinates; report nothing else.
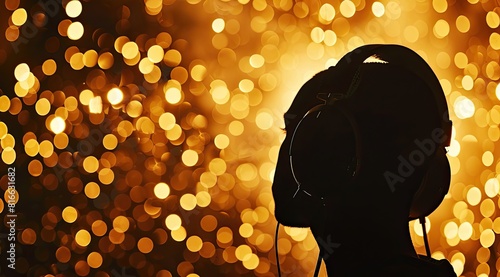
(361, 243)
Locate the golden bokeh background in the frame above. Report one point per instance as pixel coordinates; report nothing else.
(144, 133)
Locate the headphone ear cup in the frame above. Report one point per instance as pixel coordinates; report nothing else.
(323, 150)
(433, 188)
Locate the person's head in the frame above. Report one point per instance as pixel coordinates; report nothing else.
(385, 130)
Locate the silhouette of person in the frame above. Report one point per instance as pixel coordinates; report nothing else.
(350, 168)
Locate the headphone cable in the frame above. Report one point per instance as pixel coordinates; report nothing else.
(424, 232)
(318, 263)
(276, 249)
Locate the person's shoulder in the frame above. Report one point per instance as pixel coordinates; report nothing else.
(403, 267)
(418, 267)
(439, 267)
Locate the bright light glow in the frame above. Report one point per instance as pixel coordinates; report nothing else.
(155, 53)
(22, 72)
(218, 25)
(19, 17)
(378, 9)
(257, 61)
(130, 50)
(492, 187)
(464, 107)
(162, 190)
(326, 13)
(474, 196)
(75, 31)
(173, 95)
(173, 222)
(497, 91)
(95, 104)
(347, 8)
(57, 125)
(82, 237)
(189, 157)
(74, 8)
(115, 96)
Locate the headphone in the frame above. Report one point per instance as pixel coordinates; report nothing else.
(334, 114)
(436, 180)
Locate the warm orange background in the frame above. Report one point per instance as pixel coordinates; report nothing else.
(145, 133)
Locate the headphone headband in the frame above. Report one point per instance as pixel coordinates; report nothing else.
(401, 56)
